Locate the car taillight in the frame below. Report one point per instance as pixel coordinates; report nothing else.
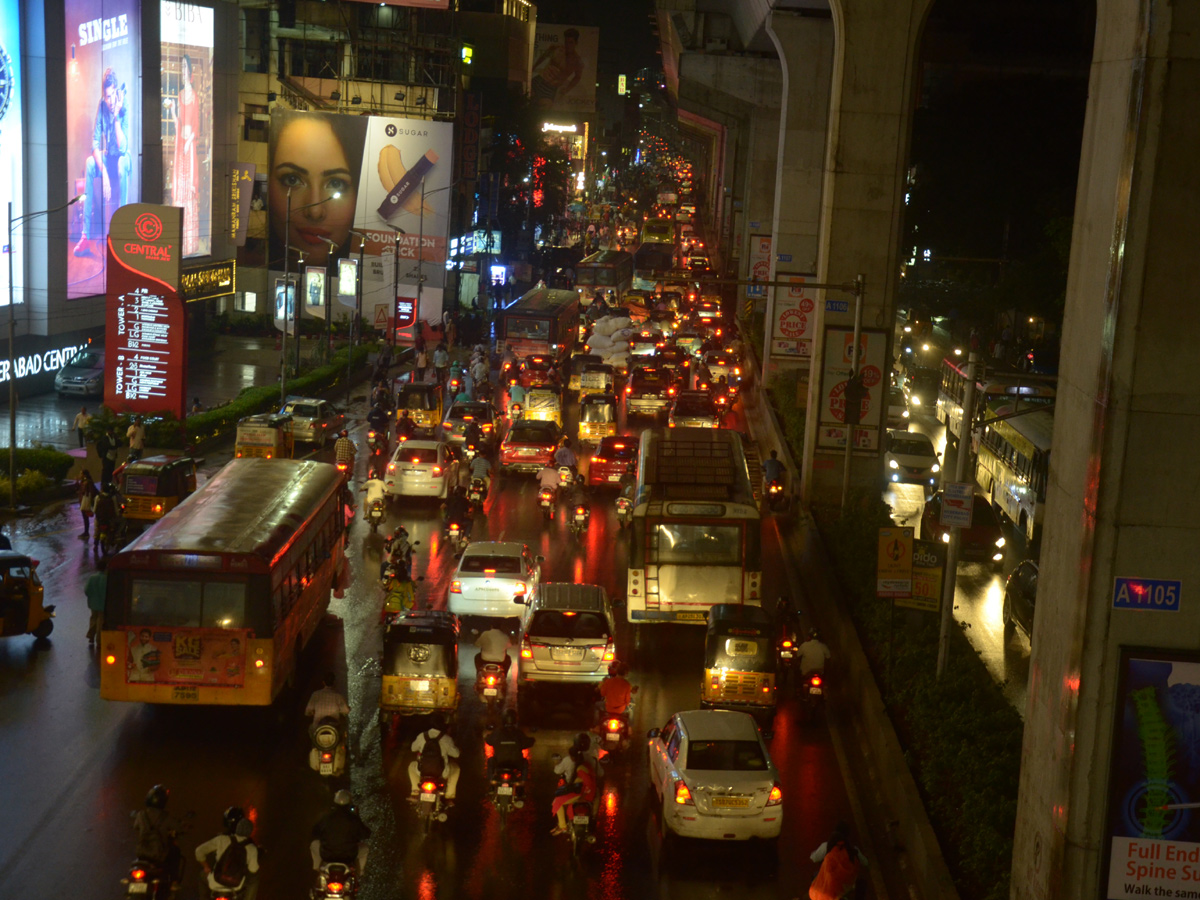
(671, 392)
(437, 470)
(526, 649)
(682, 795)
(447, 424)
(428, 787)
(629, 388)
(456, 587)
(610, 653)
(599, 459)
(775, 797)
(391, 467)
(519, 588)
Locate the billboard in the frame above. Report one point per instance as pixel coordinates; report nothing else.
(564, 68)
(145, 339)
(419, 4)
(795, 319)
(104, 130)
(186, 42)
(361, 173)
(214, 657)
(11, 138)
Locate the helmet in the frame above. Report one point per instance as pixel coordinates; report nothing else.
(616, 667)
(156, 797)
(232, 816)
(510, 718)
(344, 433)
(244, 828)
(342, 798)
(438, 721)
(582, 741)
(579, 479)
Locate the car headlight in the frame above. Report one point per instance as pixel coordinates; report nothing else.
(935, 468)
(904, 415)
(893, 464)
(915, 400)
(1000, 542)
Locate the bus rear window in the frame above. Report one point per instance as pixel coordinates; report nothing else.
(706, 544)
(187, 604)
(533, 329)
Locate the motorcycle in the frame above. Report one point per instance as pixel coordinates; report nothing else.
(775, 497)
(335, 881)
(514, 412)
(507, 792)
(456, 537)
(111, 535)
(566, 476)
(399, 539)
(491, 684)
(579, 826)
(580, 516)
(377, 441)
(546, 500)
(376, 505)
(476, 493)
(328, 754)
(624, 511)
(614, 730)
(146, 880)
(786, 654)
(431, 804)
(812, 693)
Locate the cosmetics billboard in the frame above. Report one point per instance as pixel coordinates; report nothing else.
(104, 130)
(362, 173)
(10, 126)
(186, 41)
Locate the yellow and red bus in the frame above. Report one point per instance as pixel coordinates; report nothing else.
(214, 602)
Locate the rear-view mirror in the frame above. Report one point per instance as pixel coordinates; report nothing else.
(652, 733)
(520, 598)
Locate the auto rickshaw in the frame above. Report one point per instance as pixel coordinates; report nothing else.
(597, 378)
(420, 666)
(597, 417)
(268, 435)
(740, 661)
(543, 405)
(423, 400)
(578, 363)
(154, 486)
(21, 595)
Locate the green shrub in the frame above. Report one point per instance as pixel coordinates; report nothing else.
(53, 464)
(784, 393)
(29, 483)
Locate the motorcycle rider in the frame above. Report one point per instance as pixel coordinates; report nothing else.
(377, 418)
(344, 451)
(405, 426)
(493, 647)
(481, 468)
(156, 831)
(616, 692)
(508, 743)
(238, 829)
(340, 836)
(578, 495)
(458, 510)
(435, 733)
(326, 702)
(787, 622)
(772, 470)
(473, 436)
(516, 395)
(842, 864)
(547, 477)
(565, 456)
(582, 787)
(107, 514)
(813, 655)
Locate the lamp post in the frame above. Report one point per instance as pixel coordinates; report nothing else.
(421, 244)
(362, 247)
(333, 248)
(288, 248)
(287, 229)
(12, 348)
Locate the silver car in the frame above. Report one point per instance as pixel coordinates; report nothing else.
(490, 576)
(421, 469)
(567, 636)
(454, 425)
(694, 409)
(314, 420)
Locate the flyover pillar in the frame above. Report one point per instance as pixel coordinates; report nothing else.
(1112, 751)
(875, 55)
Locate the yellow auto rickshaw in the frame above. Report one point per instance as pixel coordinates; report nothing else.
(154, 486)
(597, 417)
(420, 666)
(543, 405)
(21, 596)
(740, 661)
(578, 363)
(597, 378)
(268, 435)
(423, 400)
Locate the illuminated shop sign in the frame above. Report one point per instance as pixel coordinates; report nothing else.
(10, 127)
(37, 363)
(216, 279)
(561, 129)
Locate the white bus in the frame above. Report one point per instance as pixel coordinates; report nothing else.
(1013, 465)
(696, 534)
(989, 387)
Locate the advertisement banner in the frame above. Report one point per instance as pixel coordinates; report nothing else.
(928, 570)
(186, 44)
(11, 135)
(839, 358)
(104, 130)
(468, 135)
(348, 282)
(314, 291)
(564, 68)
(894, 563)
(285, 320)
(419, 4)
(195, 656)
(361, 173)
(1153, 831)
(207, 280)
(241, 192)
(760, 263)
(145, 339)
(794, 319)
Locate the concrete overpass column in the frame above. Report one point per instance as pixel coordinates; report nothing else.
(1124, 478)
(876, 45)
(805, 48)
(758, 197)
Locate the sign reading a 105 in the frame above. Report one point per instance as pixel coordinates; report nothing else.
(1147, 594)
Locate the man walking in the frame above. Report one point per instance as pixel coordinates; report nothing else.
(95, 589)
(137, 439)
(81, 423)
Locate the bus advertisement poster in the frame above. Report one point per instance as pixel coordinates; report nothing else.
(1154, 783)
(185, 656)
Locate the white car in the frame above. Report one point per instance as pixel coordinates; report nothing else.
(897, 408)
(714, 777)
(421, 469)
(909, 458)
(490, 576)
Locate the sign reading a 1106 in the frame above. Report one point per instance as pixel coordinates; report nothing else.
(1147, 593)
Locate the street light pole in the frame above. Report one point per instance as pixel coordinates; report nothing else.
(287, 233)
(12, 347)
(358, 275)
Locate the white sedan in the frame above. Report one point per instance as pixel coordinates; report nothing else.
(714, 777)
(421, 469)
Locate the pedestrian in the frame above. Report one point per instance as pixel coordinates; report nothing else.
(136, 433)
(422, 363)
(511, 285)
(197, 407)
(95, 589)
(106, 449)
(86, 489)
(81, 423)
(441, 362)
(841, 866)
(5, 543)
(451, 328)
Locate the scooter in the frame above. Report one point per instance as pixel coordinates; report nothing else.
(146, 881)
(507, 792)
(377, 441)
(614, 730)
(431, 804)
(400, 537)
(566, 476)
(579, 826)
(514, 412)
(476, 493)
(491, 684)
(580, 516)
(335, 881)
(785, 651)
(375, 508)
(456, 537)
(624, 511)
(776, 500)
(812, 694)
(547, 497)
(328, 754)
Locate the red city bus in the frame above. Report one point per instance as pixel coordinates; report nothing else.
(542, 322)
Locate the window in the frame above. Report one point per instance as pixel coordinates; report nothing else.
(491, 565)
(699, 544)
(553, 623)
(224, 604)
(256, 131)
(415, 456)
(245, 301)
(256, 47)
(726, 756)
(315, 59)
(673, 745)
(187, 604)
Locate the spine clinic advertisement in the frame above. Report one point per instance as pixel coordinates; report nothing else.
(104, 130)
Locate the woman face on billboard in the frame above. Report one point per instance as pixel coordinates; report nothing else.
(311, 161)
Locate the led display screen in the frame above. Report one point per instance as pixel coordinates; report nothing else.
(10, 128)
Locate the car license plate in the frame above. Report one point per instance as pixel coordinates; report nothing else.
(504, 790)
(186, 694)
(428, 798)
(614, 477)
(816, 691)
(731, 802)
(490, 692)
(418, 686)
(690, 616)
(326, 768)
(139, 888)
(580, 820)
(566, 653)
(612, 736)
(412, 471)
(786, 654)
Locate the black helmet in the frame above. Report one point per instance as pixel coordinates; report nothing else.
(579, 479)
(156, 797)
(231, 817)
(438, 721)
(582, 741)
(342, 798)
(510, 718)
